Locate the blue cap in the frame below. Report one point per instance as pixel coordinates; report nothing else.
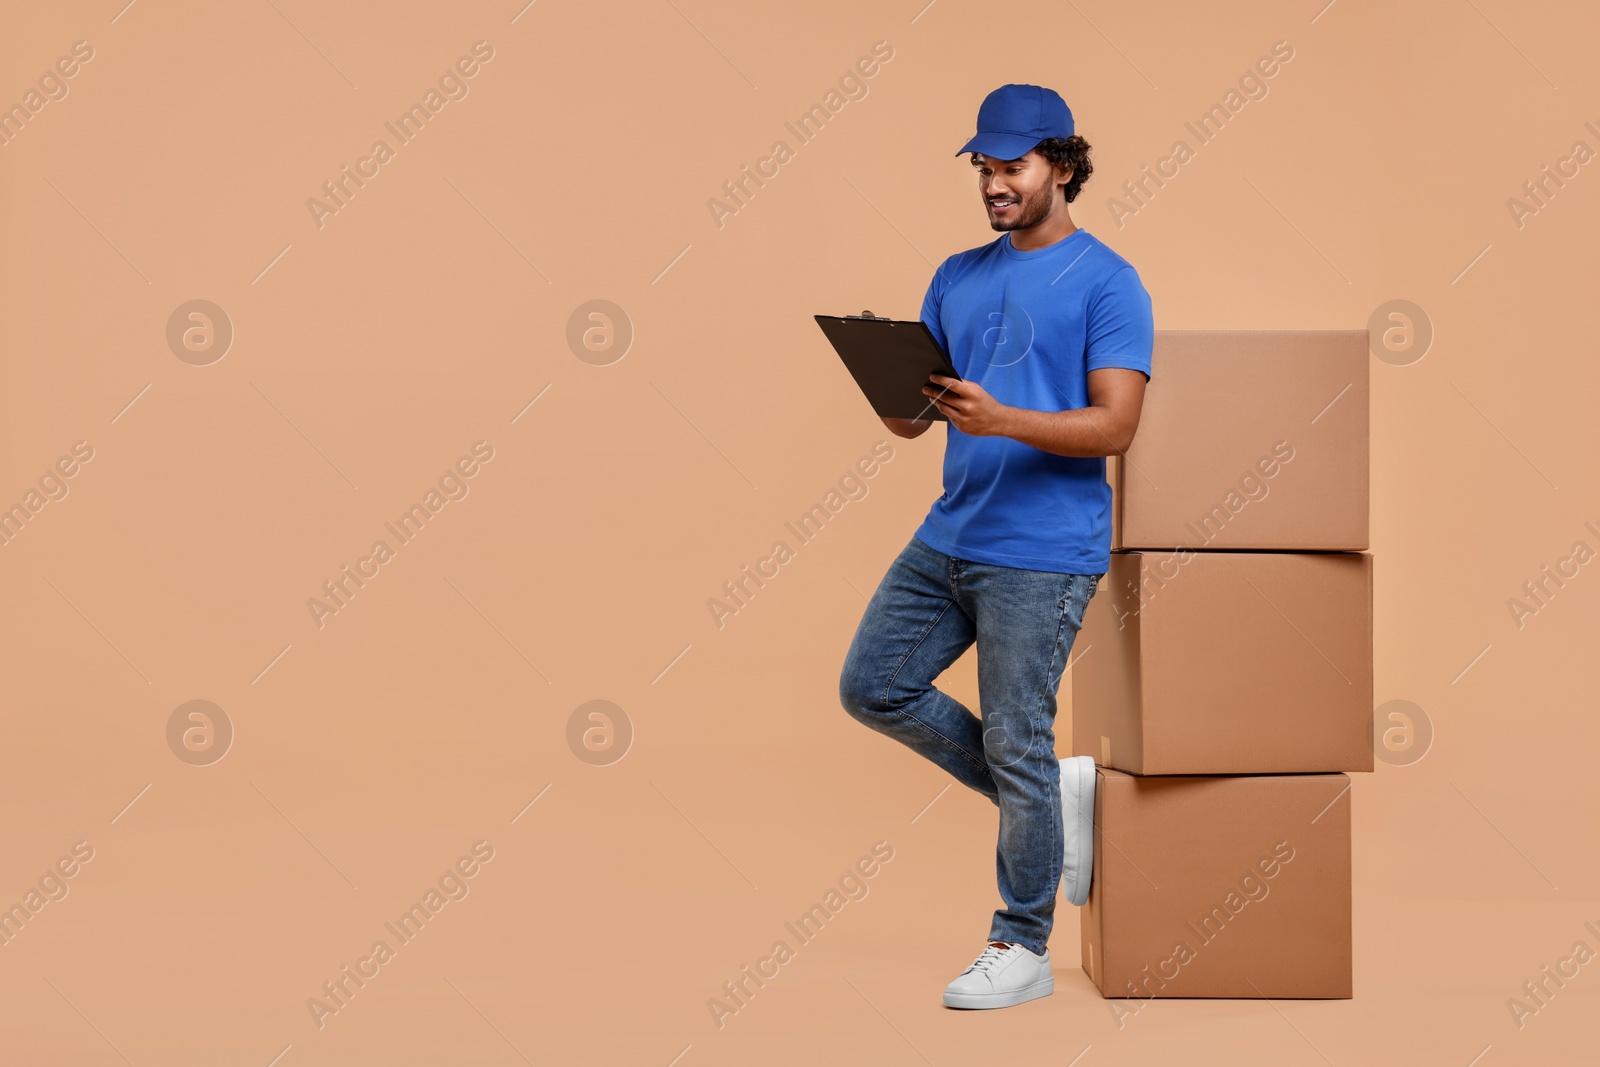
(1015, 118)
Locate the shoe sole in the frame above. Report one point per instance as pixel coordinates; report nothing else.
(1077, 783)
(1042, 988)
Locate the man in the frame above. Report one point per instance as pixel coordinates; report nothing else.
(1051, 332)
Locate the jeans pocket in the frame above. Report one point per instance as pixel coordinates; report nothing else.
(1080, 589)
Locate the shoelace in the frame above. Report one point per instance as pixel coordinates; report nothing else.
(991, 958)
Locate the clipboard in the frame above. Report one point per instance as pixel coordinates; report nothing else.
(891, 361)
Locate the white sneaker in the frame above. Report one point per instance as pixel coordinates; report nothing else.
(1003, 974)
(1077, 824)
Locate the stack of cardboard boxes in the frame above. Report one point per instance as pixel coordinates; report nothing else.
(1222, 680)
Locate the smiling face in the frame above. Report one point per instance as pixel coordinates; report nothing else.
(1019, 193)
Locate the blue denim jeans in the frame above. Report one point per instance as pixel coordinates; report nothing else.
(926, 612)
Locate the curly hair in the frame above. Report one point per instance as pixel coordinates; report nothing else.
(1069, 152)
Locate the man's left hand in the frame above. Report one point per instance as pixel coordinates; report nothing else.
(968, 406)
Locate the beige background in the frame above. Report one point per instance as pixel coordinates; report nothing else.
(432, 310)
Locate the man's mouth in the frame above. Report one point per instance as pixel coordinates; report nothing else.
(1003, 204)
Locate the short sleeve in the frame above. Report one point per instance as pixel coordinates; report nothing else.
(931, 304)
(1120, 331)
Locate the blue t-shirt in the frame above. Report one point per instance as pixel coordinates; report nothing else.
(1028, 327)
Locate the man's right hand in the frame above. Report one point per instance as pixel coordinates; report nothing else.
(908, 427)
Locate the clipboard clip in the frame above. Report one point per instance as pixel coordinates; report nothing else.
(868, 315)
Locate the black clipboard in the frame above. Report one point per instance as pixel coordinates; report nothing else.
(891, 361)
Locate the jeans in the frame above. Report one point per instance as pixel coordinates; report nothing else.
(926, 612)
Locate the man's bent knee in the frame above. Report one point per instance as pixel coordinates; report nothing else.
(858, 695)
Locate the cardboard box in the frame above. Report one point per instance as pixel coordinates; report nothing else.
(1250, 440)
(1233, 886)
(1227, 663)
